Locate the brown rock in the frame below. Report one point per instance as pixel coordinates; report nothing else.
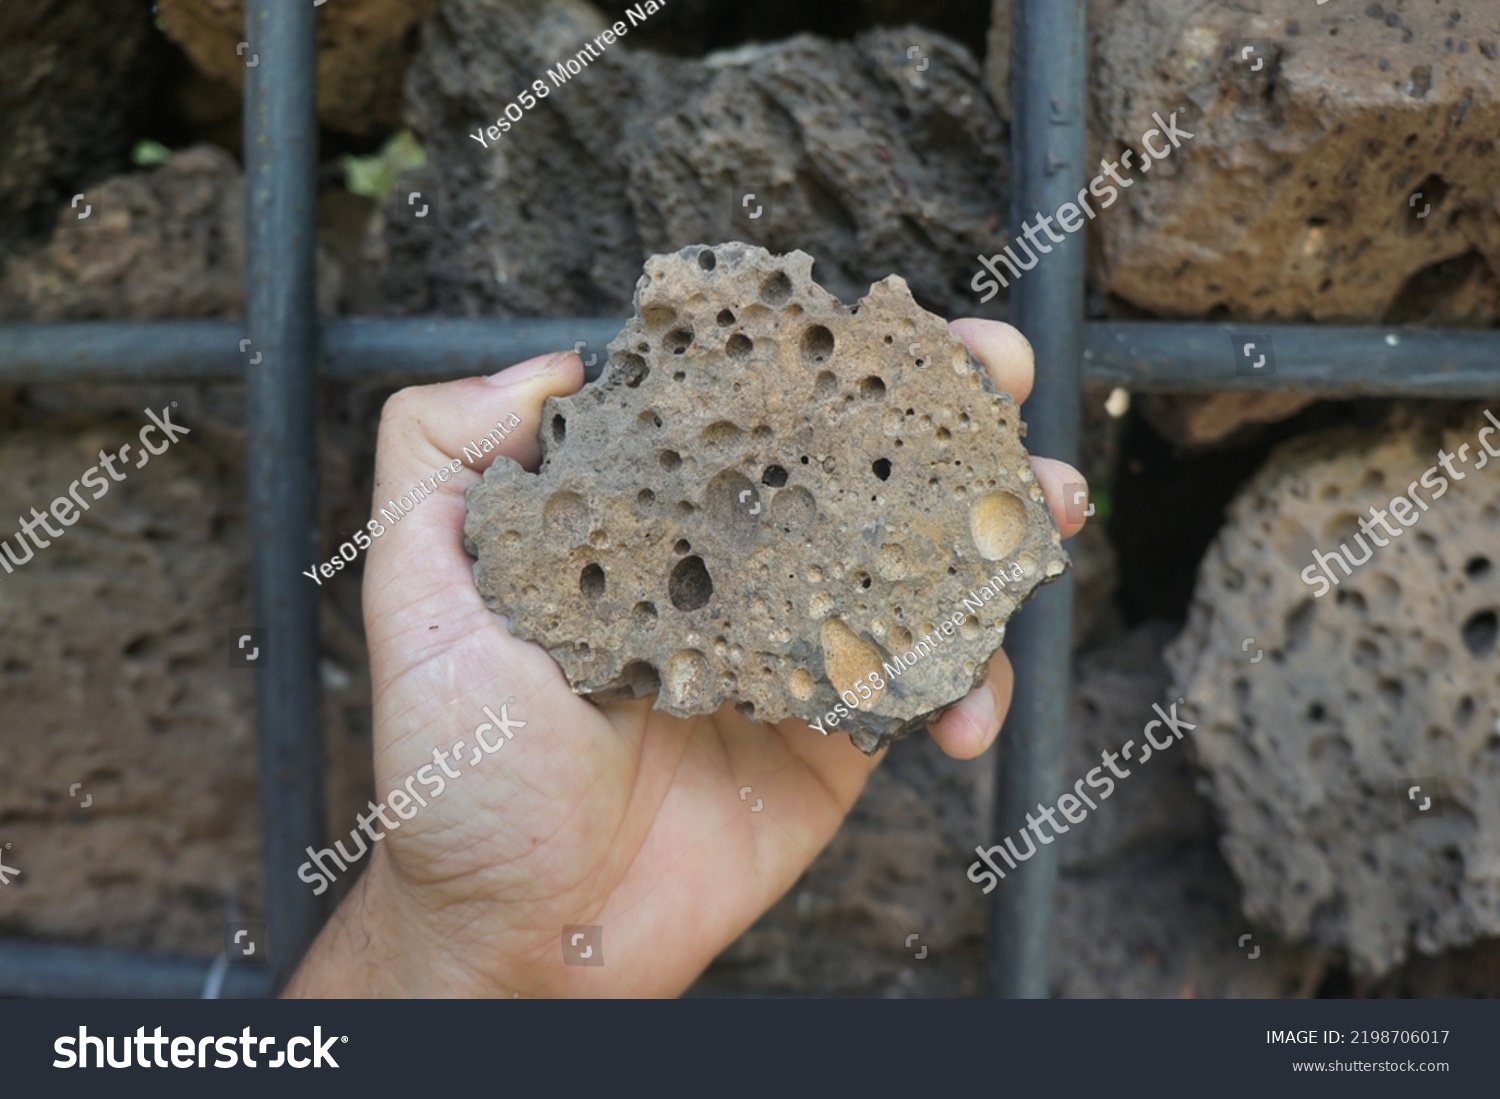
(1205, 419)
(1335, 168)
(169, 244)
(363, 50)
(798, 492)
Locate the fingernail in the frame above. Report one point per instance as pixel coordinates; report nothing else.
(987, 712)
(530, 370)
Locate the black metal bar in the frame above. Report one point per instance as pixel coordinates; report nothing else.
(1143, 356)
(281, 146)
(1047, 134)
(75, 972)
(1166, 356)
(432, 348)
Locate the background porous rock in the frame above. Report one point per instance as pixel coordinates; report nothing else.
(1292, 200)
(169, 244)
(75, 77)
(1146, 905)
(854, 154)
(1387, 681)
(363, 51)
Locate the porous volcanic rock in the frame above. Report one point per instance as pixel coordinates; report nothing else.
(768, 496)
(169, 243)
(1320, 708)
(1343, 157)
(876, 155)
(363, 50)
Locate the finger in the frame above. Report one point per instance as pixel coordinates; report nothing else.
(435, 441)
(1004, 353)
(1059, 481)
(969, 728)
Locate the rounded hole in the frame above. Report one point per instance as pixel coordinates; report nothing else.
(881, 467)
(591, 582)
(678, 340)
(648, 419)
(826, 385)
(632, 370)
(658, 316)
(776, 290)
(721, 433)
(1479, 633)
(682, 546)
(645, 497)
(872, 388)
(690, 587)
(805, 459)
(725, 318)
(679, 376)
(774, 476)
(997, 524)
(707, 260)
(739, 346)
(643, 616)
(1477, 567)
(670, 459)
(817, 344)
(559, 429)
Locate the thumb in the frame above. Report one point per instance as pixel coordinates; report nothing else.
(435, 442)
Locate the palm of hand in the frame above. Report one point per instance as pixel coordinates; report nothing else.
(619, 816)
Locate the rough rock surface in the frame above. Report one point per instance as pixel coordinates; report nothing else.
(1194, 420)
(796, 493)
(115, 674)
(1297, 198)
(363, 51)
(1386, 682)
(852, 151)
(170, 244)
(75, 76)
(1146, 906)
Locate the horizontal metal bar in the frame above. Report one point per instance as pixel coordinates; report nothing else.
(60, 970)
(1174, 357)
(1145, 356)
(436, 347)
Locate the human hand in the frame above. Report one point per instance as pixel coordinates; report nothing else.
(617, 815)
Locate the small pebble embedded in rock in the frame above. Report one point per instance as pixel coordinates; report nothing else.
(815, 511)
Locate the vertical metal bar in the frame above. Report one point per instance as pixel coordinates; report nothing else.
(1047, 304)
(281, 142)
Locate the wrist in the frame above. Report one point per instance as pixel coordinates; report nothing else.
(383, 942)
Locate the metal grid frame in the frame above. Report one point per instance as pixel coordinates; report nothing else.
(280, 142)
